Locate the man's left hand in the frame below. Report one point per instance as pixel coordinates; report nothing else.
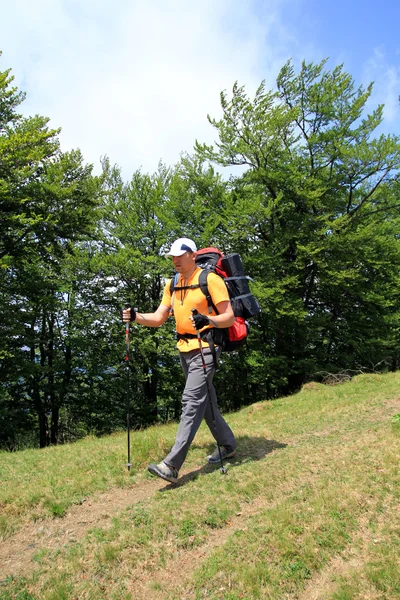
(200, 321)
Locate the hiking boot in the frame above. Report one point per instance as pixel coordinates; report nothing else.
(164, 471)
(214, 458)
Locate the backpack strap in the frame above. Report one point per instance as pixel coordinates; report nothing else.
(173, 285)
(204, 288)
(173, 282)
(210, 336)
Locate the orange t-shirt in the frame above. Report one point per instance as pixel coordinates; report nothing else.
(182, 302)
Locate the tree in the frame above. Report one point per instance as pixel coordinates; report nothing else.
(320, 194)
(25, 145)
(48, 201)
(130, 261)
(314, 215)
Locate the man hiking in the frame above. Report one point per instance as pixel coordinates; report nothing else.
(199, 393)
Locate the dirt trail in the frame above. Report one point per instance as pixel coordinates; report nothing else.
(167, 583)
(17, 551)
(175, 578)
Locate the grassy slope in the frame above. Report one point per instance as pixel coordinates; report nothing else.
(308, 509)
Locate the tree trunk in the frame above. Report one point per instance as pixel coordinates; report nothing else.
(55, 413)
(55, 410)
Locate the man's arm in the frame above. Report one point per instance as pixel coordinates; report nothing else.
(219, 295)
(154, 319)
(225, 317)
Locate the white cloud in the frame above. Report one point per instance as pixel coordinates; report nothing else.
(135, 80)
(386, 78)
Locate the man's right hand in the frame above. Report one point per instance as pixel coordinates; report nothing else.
(128, 314)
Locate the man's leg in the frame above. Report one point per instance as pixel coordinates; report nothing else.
(195, 404)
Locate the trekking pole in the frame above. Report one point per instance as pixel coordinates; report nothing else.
(128, 403)
(223, 469)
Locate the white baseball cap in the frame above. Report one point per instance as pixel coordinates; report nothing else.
(182, 245)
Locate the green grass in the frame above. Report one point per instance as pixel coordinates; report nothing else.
(310, 503)
(41, 483)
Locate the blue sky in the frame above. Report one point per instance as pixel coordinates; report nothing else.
(135, 80)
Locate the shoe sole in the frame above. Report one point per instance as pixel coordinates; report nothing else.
(155, 471)
(217, 460)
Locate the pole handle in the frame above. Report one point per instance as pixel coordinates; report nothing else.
(196, 312)
(127, 305)
(127, 323)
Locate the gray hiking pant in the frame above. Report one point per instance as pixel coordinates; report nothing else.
(196, 407)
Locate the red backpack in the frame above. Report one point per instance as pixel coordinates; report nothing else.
(244, 304)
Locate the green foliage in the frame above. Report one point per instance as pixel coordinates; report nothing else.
(48, 203)
(314, 213)
(320, 194)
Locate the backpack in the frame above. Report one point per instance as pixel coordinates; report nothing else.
(244, 304)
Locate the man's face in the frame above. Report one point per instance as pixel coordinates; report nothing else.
(184, 263)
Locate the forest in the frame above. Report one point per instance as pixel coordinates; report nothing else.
(313, 209)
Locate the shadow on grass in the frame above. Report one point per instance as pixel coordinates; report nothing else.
(249, 449)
